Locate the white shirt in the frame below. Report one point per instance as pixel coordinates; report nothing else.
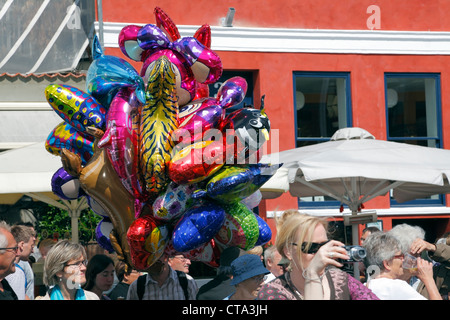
(29, 277)
(393, 289)
(17, 282)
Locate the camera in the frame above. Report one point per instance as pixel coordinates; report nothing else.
(356, 253)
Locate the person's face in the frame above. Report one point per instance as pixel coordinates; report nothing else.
(272, 265)
(252, 285)
(105, 279)
(180, 263)
(26, 248)
(74, 273)
(364, 236)
(319, 235)
(8, 257)
(395, 266)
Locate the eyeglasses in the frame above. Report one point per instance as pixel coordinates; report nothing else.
(14, 249)
(78, 264)
(314, 246)
(399, 256)
(182, 259)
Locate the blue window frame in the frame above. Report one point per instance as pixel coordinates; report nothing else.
(413, 115)
(322, 105)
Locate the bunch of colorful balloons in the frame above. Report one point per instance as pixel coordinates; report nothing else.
(160, 160)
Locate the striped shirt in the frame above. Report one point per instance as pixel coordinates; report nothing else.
(170, 290)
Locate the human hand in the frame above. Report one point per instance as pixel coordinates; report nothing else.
(327, 255)
(420, 245)
(424, 270)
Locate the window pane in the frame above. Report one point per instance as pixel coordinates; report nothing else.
(412, 104)
(321, 107)
(412, 109)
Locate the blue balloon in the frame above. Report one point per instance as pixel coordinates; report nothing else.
(265, 233)
(197, 226)
(107, 74)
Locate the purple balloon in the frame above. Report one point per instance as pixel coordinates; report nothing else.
(232, 92)
(66, 186)
(102, 232)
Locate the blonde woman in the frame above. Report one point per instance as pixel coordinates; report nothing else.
(64, 273)
(313, 270)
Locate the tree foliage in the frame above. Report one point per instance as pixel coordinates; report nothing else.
(54, 221)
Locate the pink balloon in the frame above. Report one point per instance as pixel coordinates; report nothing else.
(120, 140)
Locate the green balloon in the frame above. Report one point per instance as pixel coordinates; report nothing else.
(246, 219)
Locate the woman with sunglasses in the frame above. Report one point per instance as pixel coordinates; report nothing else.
(65, 273)
(313, 272)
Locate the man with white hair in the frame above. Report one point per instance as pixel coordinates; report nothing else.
(8, 254)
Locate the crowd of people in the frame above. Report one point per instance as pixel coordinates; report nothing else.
(303, 264)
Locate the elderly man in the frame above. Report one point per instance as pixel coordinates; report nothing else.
(272, 259)
(8, 254)
(22, 280)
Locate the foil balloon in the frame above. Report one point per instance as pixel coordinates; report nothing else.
(240, 228)
(96, 207)
(253, 200)
(197, 226)
(201, 91)
(102, 232)
(207, 253)
(199, 116)
(251, 128)
(173, 202)
(100, 181)
(66, 186)
(158, 120)
(232, 183)
(147, 239)
(64, 136)
(265, 233)
(191, 56)
(195, 162)
(75, 107)
(121, 140)
(107, 74)
(196, 118)
(166, 24)
(232, 92)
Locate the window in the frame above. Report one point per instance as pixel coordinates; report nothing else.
(322, 106)
(413, 112)
(413, 109)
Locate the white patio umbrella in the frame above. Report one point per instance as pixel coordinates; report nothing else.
(28, 171)
(354, 167)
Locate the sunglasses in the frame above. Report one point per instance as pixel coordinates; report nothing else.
(314, 246)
